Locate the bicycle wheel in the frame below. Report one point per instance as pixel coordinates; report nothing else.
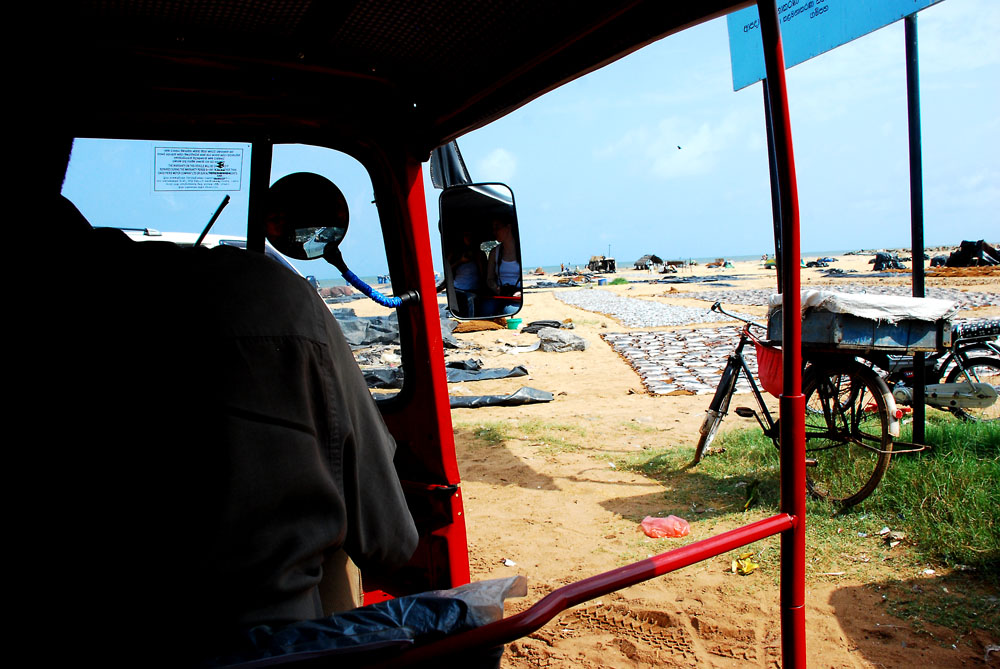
(709, 428)
(717, 409)
(847, 425)
(981, 370)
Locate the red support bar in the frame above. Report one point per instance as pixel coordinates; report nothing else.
(439, 436)
(420, 418)
(526, 622)
(791, 402)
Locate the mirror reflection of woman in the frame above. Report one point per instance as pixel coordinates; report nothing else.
(503, 272)
(468, 274)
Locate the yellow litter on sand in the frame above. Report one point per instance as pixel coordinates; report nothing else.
(744, 564)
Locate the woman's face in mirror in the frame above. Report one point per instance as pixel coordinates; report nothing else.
(501, 231)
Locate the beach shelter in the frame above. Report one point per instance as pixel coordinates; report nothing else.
(648, 261)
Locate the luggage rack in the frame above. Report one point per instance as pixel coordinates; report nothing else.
(984, 330)
(870, 323)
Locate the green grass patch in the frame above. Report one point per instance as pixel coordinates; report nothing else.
(546, 427)
(550, 437)
(946, 501)
(492, 433)
(636, 426)
(952, 601)
(948, 498)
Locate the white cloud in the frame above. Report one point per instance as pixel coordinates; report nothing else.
(498, 165)
(756, 141)
(976, 191)
(676, 147)
(959, 35)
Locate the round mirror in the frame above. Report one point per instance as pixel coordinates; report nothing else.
(305, 213)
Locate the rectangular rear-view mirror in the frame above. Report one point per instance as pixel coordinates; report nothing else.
(481, 250)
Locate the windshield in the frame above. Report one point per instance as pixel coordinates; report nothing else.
(168, 192)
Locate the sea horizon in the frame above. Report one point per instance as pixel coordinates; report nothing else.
(628, 265)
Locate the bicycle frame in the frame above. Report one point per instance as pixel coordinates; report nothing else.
(764, 418)
(900, 369)
(746, 335)
(961, 358)
(719, 406)
(827, 376)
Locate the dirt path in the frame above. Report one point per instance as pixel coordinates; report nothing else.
(558, 511)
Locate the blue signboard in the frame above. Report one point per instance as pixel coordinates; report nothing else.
(809, 28)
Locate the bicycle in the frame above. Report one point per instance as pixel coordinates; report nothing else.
(851, 417)
(971, 366)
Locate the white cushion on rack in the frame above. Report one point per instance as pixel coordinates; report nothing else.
(888, 308)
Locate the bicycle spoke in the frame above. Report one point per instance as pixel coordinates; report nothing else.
(817, 449)
(846, 432)
(978, 370)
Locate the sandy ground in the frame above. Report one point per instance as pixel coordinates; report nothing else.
(560, 515)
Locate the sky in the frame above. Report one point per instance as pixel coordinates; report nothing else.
(656, 153)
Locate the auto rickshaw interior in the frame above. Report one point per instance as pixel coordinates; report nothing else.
(382, 82)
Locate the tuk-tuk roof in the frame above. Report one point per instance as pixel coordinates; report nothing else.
(426, 71)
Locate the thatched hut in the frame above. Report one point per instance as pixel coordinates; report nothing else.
(648, 261)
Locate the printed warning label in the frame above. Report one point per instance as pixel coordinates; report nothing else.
(207, 169)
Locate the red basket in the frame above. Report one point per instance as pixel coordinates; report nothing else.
(769, 367)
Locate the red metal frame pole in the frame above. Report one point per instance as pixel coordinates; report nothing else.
(451, 537)
(791, 402)
(420, 417)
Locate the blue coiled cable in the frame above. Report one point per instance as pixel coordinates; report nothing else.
(352, 278)
(332, 255)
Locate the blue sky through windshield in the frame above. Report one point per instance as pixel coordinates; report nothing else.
(656, 154)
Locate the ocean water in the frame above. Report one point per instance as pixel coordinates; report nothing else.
(628, 265)
(622, 265)
(372, 281)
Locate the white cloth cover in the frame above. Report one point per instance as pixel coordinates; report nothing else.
(888, 308)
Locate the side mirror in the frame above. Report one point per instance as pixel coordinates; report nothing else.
(305, 212)
(481, 250)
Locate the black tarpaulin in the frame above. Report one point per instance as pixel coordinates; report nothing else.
(523, 396)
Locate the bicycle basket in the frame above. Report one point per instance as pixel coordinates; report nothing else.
(769, 367)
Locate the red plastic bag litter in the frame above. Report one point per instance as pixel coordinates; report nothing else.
(671, 526)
